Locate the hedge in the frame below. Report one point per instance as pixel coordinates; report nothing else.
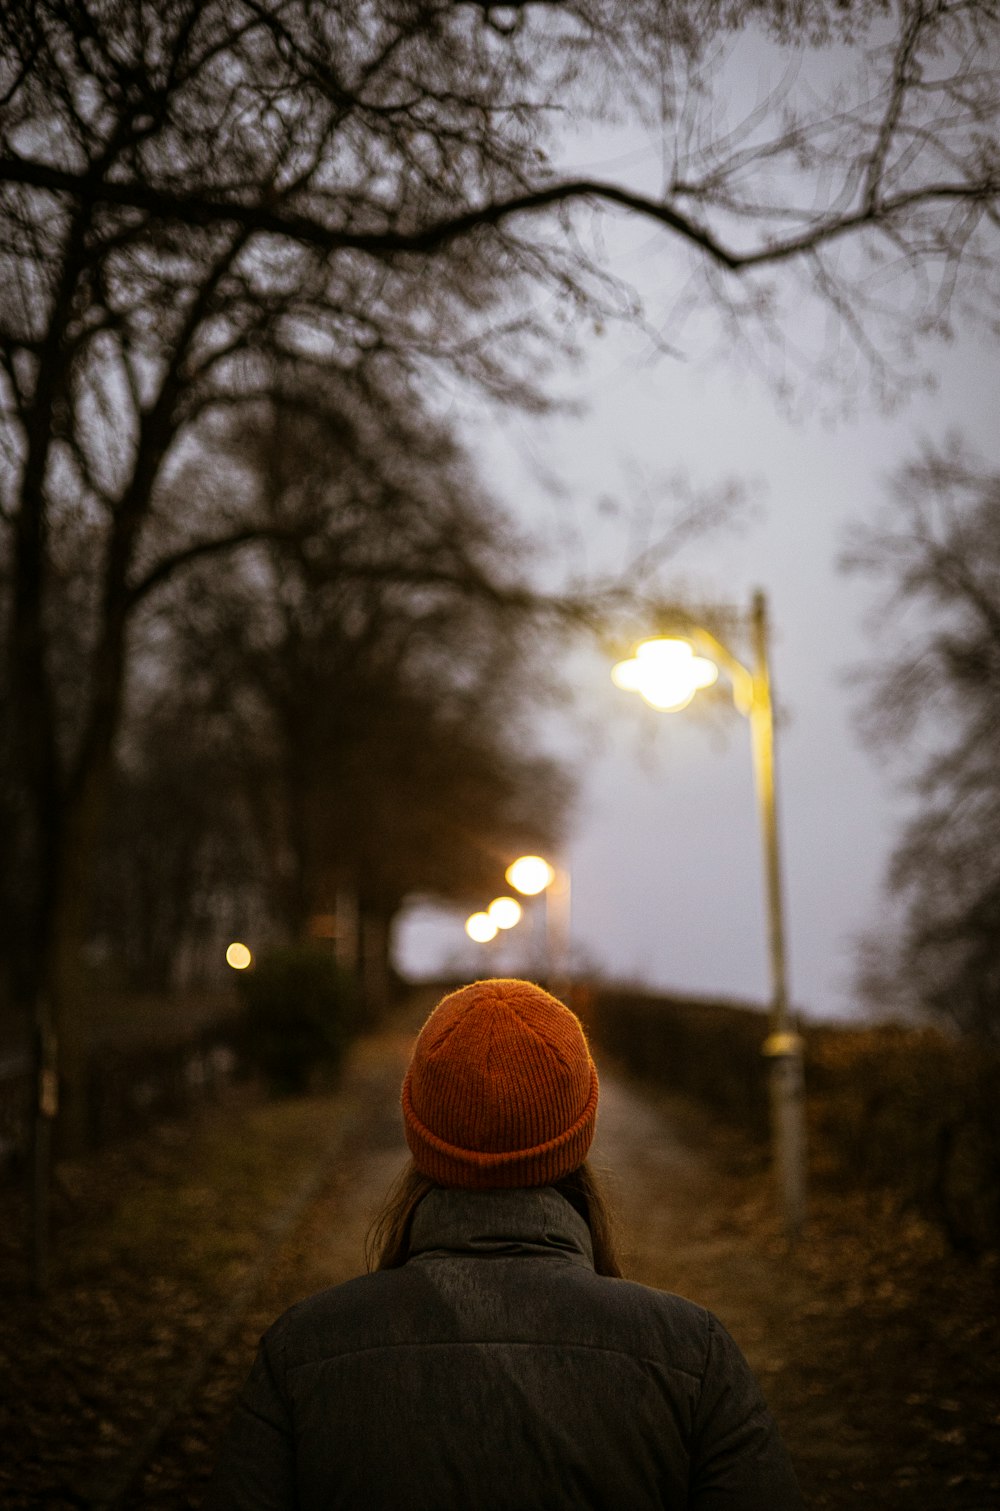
(907, 1111)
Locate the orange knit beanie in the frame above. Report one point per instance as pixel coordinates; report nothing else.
(501, 1089)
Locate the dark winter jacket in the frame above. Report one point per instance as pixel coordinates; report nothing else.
(496, 1371)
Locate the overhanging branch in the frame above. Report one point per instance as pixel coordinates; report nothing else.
(587, 607)
(167, 566)
(204, 210)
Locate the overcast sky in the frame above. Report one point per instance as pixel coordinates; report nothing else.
(665, 852)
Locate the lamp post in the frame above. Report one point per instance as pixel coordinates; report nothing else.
(480, 928)
(529, 875)
(667, 672)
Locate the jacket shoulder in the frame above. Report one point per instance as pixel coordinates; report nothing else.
(333, 1309)
(550, 1304)
(657, 1325)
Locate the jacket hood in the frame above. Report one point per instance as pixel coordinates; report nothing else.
(523, 1222)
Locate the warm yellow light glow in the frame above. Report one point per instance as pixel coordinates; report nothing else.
(480, 927)
(505, 912)
(529, 874)
(238, 956)
(666, 672)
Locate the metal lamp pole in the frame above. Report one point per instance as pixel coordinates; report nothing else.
(783, 1046)
(531, 875)
(557, 933)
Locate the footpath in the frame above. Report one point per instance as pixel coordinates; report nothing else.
(878, 1351)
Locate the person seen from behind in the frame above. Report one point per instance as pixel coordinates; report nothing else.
(494, 1358)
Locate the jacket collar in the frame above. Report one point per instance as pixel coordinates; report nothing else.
(521, 1223)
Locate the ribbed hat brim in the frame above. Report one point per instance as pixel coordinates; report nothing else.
(473, 1169)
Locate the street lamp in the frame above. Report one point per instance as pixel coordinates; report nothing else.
(667, 672)
(505, 912)
(480, 928)
(502, 913)
(530, 875)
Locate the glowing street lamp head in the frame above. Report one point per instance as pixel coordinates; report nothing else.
(529, 875)
(238, 956)
(666, 672)
(480, 927)
(505, 912)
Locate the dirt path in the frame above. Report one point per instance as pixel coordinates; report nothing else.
(326, 1248)
(696, 1224)
(879, 1359)
(847, 1367)
(878, 1351)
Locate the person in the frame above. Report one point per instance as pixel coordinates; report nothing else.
(494, 1357)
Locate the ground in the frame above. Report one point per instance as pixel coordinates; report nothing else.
(878, 1350)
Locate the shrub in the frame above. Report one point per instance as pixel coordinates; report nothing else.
(706, 1049)
(913, 1111)
(895, 1109)
(300, 1012)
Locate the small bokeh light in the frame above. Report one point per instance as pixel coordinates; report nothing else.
(238, 956)
(481, 928)
(505, 912)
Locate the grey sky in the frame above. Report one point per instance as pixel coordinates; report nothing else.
(665, 854)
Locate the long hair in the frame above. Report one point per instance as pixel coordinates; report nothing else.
(387, 1245)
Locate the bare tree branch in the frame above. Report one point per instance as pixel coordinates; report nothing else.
(200, 210)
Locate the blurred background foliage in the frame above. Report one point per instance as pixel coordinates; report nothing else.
(932, 709)
(300, 1012)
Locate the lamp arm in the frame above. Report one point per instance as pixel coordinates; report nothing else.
(741, 679)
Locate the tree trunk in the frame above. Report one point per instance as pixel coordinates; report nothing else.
(374, 969)
(65, 971)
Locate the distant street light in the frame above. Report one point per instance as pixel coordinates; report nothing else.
(505, 912)
(668, 673)
(238, 956)
(531, 874)
(480, 927)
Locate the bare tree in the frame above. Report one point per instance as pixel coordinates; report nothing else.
(126, 331)
(198, 195)
(934, 704)
(367, 670)
(182, 855)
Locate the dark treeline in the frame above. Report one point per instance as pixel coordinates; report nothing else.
(335, 720)
(933, 706)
